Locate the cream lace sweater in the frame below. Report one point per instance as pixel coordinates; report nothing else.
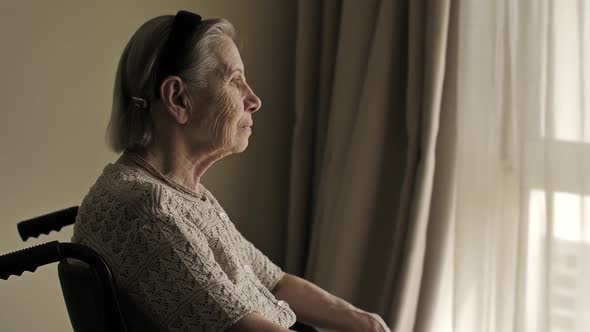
(179, 262)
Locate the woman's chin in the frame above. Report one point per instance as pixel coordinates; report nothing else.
(241, 147)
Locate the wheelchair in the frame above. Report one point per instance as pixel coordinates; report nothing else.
(86, 281)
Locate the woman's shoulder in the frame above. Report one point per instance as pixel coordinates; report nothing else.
(118, 193)
(123, 184)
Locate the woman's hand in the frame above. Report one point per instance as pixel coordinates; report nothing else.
(368, 322)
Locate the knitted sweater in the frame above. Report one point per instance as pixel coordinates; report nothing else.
(179, 262)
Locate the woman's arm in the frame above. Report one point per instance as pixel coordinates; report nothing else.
(315, 306)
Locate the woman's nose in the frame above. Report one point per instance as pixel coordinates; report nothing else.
(252, 102)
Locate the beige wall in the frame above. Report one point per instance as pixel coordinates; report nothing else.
(57, 66)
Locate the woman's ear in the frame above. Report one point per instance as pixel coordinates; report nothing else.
(175, 98)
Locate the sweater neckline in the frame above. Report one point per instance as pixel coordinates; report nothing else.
(145, 175)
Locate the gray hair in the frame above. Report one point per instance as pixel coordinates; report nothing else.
(131, 127)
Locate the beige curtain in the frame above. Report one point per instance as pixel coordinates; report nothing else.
(369, 91)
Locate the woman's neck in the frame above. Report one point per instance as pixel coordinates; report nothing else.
(178, 163)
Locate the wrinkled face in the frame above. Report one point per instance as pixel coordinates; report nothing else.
(222, 114)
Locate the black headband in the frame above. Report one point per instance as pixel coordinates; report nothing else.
(174, 55)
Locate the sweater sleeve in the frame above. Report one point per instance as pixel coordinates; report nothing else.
(181, 283)
(266, 270)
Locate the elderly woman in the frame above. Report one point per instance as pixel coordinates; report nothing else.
(181, 103)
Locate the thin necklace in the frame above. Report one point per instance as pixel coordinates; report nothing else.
(141, 162)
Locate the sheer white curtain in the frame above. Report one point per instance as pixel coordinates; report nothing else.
(517, 253)
(556, 177)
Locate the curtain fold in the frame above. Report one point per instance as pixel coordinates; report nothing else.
(317, 32)
(427, 67)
